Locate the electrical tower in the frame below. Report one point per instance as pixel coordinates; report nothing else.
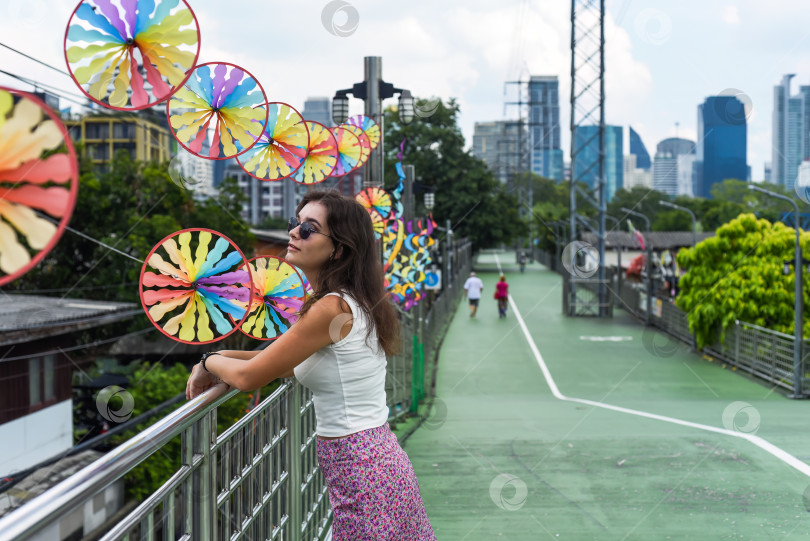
(520, 181)
(585, 294)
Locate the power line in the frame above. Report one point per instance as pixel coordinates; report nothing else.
(35, 60)
(57, 290)
(81, 346)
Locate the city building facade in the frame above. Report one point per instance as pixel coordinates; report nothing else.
(638, 149)
(103, 136)
(502, 145)
(790, 132)
(586, 169)
(721, 151)
(546, 155)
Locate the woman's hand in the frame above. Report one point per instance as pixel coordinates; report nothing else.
(199, 381)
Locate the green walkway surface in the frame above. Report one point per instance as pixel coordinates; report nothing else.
(500, 457)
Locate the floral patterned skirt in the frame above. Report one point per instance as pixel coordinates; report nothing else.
(372, 488)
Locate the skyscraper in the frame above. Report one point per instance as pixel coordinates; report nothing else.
(502, 145)
(637, 147)
(791, 131)
(544, 127)
(586, 166)
(668, 157)
(723, 132)
(319, 110)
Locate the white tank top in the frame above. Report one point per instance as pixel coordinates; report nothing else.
(347, 379)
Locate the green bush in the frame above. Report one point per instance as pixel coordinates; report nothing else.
(738, 275)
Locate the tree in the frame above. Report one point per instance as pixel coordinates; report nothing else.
(466, 191)
(737, 275)
(131, 207)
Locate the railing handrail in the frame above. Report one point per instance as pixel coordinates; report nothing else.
(74, 491)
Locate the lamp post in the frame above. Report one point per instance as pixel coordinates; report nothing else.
(649, 262)
(692, 214)
(798, 301)
(373, 90)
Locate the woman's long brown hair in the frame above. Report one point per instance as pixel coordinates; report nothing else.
(356, 267)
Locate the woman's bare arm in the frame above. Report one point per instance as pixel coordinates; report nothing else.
(308, 335)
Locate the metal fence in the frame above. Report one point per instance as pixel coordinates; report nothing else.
(259, 479)
(761, 352)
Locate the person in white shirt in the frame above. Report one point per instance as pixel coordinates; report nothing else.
(473, 286)
(338, 349)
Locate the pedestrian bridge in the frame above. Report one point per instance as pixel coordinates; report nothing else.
(533, 426)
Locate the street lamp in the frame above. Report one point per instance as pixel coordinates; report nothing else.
(373, 90)
(430, 201)
(798, 300)
(692, 214)
(649, 261)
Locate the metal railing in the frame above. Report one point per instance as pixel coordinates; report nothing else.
(761, 352)
(260, 478)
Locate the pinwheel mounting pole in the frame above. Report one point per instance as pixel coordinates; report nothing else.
(373, 90)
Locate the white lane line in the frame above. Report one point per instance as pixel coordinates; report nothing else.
(763, 444)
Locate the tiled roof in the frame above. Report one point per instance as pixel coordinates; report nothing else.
(660, 240)
(24, 317)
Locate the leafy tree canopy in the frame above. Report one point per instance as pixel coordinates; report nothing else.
(738, 275)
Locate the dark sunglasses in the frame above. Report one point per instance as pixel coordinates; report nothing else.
(306, 228)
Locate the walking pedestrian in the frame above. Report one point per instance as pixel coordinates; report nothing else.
(338, 349)
(473, 287)
(502, 295)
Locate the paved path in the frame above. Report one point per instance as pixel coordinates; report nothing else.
(629, 445)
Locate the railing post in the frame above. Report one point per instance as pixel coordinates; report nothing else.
(415, 374)
(203, 480)
(294, 503)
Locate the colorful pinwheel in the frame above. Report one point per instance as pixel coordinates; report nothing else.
(282, 146)
(377, 222)
(197, 298)
(278, 294)
(349, 151)
(322, 157)
(231, 98)
(377, 199)
(369, 127)
(109, 52)
(39, 180)
(365, 144)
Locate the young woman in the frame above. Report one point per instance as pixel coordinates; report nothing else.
(337, 349)
(502, 295)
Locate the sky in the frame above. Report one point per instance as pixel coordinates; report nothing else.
(662, 58)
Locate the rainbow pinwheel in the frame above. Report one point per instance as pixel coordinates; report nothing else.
(365, 144)
(278, 294)
(197, 298)
(111, 50)
(377, 199)
(39, 180)
(231, 98)
(322, 156)
(349, 151)
(369, 127)
(377, 222)
(282, 146)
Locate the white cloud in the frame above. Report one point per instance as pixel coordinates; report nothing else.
(731, 15)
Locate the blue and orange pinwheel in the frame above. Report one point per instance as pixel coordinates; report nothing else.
(282, 146)
(322, 155)
(369, 127)
(199, 298)
(39, 181)
(131, 57)
(365, 143)
(218, 116)
(278, 295)
(349, 151)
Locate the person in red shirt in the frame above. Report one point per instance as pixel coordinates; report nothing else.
(502, 295)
